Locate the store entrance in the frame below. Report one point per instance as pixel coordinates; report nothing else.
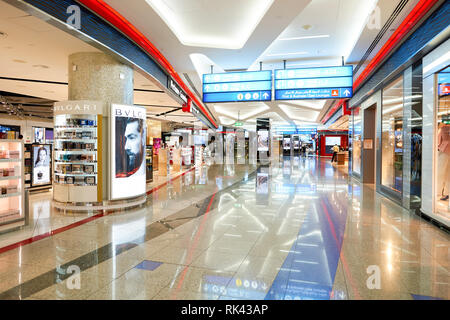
(368, 154)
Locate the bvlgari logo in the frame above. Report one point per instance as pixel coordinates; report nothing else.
(76, 107)
(130, 113)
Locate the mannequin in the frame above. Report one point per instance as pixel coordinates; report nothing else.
(443, 164)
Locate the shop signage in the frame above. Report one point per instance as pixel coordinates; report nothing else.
(78, 107)
(314, 83)
(173, 86)
(237, 86)
(444, 84)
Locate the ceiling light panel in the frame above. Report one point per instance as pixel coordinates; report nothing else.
(305, 37)
(298, 114)
(214, 23)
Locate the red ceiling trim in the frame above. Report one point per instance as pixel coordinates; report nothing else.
(413, 18)
(105, 11)
(341, 103)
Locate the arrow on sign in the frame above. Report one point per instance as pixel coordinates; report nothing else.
(347, 93)
(265, 95)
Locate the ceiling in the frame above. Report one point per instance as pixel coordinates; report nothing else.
(194, 35)
(197, 34)
(34, 69)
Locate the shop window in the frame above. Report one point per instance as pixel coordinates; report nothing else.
(356, 152)
(392, 136)
(443, 144)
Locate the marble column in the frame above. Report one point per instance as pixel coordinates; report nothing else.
(99, 77)
(96, 76)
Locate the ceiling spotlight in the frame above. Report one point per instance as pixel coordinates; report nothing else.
(43, 66)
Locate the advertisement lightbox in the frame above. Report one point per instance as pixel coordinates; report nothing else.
(41, 167)
(128, 137)
(263, 141)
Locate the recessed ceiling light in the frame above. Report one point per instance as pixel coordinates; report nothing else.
(287, 54)
(307, 27)
(19, 61)
(305, 37)
(43, 66)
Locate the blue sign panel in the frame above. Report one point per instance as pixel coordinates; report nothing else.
(237, 77)
(336, 93)
(308, 73)
(443, 78)
(238, 96)
(339, 82)
(314, 83)
(237, 86)
(444, 83)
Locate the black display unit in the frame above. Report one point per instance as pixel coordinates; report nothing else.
(149, 163)
(38, 165)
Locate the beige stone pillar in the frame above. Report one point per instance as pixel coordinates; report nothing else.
(99, 77)
(96, 76)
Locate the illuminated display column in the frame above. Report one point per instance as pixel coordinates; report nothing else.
(101, 148)
(99, 77)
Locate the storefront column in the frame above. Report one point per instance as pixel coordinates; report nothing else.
(99, 77)
(407, 116)
(96, 76)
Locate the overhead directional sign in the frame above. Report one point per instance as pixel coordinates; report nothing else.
(237, 86)
(314, 83)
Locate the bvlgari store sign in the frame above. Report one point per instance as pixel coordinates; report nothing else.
(173, 86)
(78, 107)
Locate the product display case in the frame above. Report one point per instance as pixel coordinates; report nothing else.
(12, 214)
(76, 158)
(186, 156)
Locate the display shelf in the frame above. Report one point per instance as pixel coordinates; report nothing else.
(76, 148)
(64, 128)
(76, 139)
(76, 184)
(11, 160)
(10, 178)
(10, 195)
(76, 162)
(76, 174)
(12, 211)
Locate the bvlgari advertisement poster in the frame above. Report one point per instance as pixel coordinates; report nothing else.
(128, 136)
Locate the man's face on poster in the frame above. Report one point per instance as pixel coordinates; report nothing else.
(133, 144)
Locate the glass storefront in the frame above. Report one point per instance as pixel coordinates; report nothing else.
(442, 165)
(392, 136)
(356, 142)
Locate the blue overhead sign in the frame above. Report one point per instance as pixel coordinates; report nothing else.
(314, 83)
(313, 94)
(237, 86)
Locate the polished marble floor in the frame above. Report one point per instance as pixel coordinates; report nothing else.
(297, 229)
